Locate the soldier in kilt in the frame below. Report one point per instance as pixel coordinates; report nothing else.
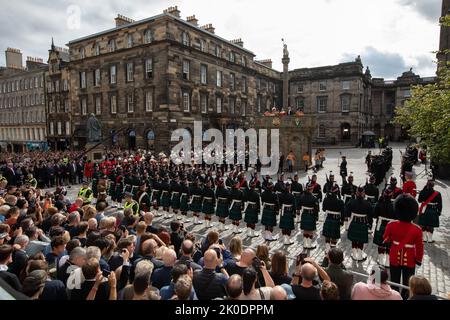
(112, 186)
(348, 194)
(252, 209)
(297, 190)
(175, 195)
(195, 204)
(236, 207)
(156, 192)
(287, 202)
(208, 203)
(384, 213)
(310, 207)
(360, 212)
(143, 198)
(372, 194)
(118, 192)
(165, 197)
(95, 178)
(333, 207)
(223, 204)
(184, 199)
(430, 210)
(270, 211)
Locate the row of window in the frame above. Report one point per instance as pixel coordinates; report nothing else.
(25, 117)
(23, 84)
(19, 101)
(322, 103)
(130, 103)
(22, 134)
(61, 128)
(233, 108)
(345, 85)
(55, 86)
(147, 38)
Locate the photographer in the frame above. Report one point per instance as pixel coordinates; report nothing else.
(250, 279)
(306, 273)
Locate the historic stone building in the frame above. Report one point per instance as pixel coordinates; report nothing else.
(59, 126)
(147, 78)
(22, 103)
(338, 96)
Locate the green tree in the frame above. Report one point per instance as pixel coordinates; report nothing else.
(427, 113)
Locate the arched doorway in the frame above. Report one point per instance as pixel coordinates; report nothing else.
(389, 131)
(150, 140)
(132, 140)
(346, 132)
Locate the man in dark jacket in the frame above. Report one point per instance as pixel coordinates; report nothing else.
(209, 284)
(336, 271)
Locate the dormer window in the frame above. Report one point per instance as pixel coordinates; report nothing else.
(112, 45)
(148, 37)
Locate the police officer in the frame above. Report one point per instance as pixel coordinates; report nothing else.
(384, 213)
(270, 210)
(130, 203)
(360, 212)
(430, 210)
(287, 202)
(236, 207)
(86, 194)
(348, 193)
(223, 204)
(208, 202)
(309, 206)
(297, 190)
(31, 181)
(333, 207)
(252, 209)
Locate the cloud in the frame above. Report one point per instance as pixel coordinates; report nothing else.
(430, 9)
(390, 65)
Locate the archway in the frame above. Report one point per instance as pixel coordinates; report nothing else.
(150, 140)
(132, 139)
(346, 131)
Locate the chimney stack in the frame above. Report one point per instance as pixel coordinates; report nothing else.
(13, 58)
(173, 11)
(208, 27)
(122, 20)
(238, 42)
(192, 20)
(266, 62)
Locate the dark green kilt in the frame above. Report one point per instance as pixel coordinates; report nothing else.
(94, 187)
(297, 201)
(430, 218)
(332, 228)
(134, 191)
(251, 214)
(165, 199)
(358, 232)
(111, 189)
(175, 201)
(184, 205)
(287, 219)
(308, 221)
(378, 235)
(119, 192)
(236, 212)
(222, 209)
(156, 196)
(269, 217)
(196, 205)
(208, 207)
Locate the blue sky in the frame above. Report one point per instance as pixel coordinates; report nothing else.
(390, 35)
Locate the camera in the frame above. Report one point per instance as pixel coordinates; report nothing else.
(256, 263)
(301, 258)
(106, 273)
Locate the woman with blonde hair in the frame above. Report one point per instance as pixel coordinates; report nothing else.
(235, 247)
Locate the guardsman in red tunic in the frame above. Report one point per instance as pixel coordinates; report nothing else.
(406, 241)
(409, 187)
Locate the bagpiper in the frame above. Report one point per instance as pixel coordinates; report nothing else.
(384, 213)
(223, 204)
(430, 210)
(252, 209)
(406, 242)
(360, 212)
(288, 209)
(208, 202)
(348, 193)
(195, 204)
(236, 207)
(270, 210)
(308, 224)
(297, 190)
(334, 209)
(330, 184)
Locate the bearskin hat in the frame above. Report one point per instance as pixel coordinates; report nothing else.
(406, 208)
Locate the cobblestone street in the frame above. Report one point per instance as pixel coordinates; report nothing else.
(436, 262)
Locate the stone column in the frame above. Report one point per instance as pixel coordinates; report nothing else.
(285, 62)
